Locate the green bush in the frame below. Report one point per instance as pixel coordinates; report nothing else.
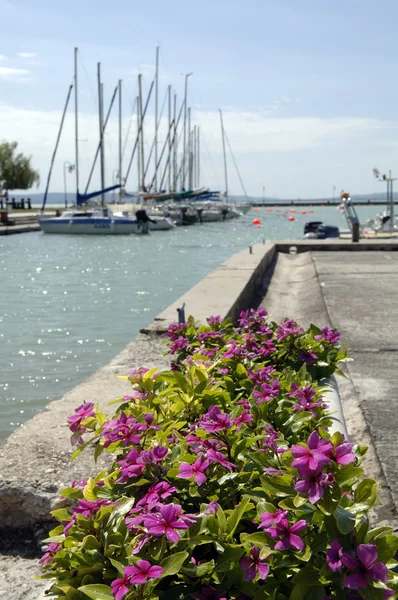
(225, 481)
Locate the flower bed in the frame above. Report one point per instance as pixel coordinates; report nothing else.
(225, 482)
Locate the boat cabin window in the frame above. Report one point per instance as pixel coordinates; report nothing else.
(105, 212)
(82, 214)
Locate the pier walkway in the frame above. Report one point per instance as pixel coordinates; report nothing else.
(357, 293)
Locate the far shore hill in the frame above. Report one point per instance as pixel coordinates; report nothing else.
(58, 199)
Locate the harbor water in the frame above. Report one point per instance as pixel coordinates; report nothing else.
(70, 303)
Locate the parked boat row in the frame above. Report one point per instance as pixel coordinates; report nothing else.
(160, 209)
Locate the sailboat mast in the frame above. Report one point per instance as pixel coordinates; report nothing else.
(120, 139)
(225, 156)
(156, 114)
(198, 157)
(170, 140)
(184, 149)
(142, 132)
(101, 130)
(175, 141)
(138, 139)
(76, 128)
(189, 150)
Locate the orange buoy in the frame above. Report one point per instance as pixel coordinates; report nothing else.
(269, 209)
(303, 212)
(257, 209)
(256, 222)
(285, 212)
(311, 211)
(292, 210)
(277, 210)
(322, 205)
(291, 218)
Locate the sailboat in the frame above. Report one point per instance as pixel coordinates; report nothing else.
(91, 220)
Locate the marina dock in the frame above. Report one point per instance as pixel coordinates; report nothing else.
(336, 283)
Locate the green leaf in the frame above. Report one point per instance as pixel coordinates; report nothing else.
(222, 521)
(387, 547)
(90, 542)
(255, 539)
(118, 566)
(199, 570)
(229, 558)
(97, 591)
(237, 514)
(345, 520)
(365, 496)
(172, 564)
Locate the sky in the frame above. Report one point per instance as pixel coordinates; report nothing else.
(307, 88)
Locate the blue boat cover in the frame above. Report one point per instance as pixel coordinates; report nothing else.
(81, 198)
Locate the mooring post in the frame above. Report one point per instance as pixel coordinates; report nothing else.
(181, 313)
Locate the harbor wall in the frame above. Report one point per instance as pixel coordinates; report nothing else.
(35, 460)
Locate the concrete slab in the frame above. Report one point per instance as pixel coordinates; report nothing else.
(360, 294)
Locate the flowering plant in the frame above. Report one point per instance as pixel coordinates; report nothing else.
(225, 480)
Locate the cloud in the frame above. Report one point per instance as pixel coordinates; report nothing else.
(2, 57)
(27, 54)
(14, 74)
(291, 156)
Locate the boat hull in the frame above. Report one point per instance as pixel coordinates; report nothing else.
(89, 226)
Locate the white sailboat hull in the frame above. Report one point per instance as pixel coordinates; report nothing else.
(92, 225)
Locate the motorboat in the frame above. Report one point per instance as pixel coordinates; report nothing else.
(95, 221)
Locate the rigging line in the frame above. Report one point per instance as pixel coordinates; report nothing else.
(214, 171)
(236, 166)
(132, 119)
(139, 132)
(153, 143)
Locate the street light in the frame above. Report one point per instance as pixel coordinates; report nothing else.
(67, 166)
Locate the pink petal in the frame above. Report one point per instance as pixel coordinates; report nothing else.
(138, 579)
(355, 581)
(378, 572)
(302, 486)
(263, 570)
(296, 542)
(250, 573)
(367, 554)
(185, 471)
(155, 572)
(130, 570)
(121, 591)
(156, 530)
(283, 544)
(172, 536)
(299, 526)
(350, 561)
(313, 440)
(199, 478)
(346, 459)
(170, 512)
(316, 493)
(299, 451)
(144, 565)
(245, 563)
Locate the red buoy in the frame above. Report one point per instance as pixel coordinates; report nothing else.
(256, 222)
(291, 218)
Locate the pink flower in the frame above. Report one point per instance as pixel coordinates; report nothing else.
(186, 471)
(308, 356)
(267, 518)
(364, 567)
(179, 344)
(311, 459)
(52, 550)
(82, 412)
(219, 458)
(343, 454)
(314, 485)
(253, 564)
(88, 508)
(244, 417)
(329, 335)
(334, 555)
(287, 535)
(142, 571)
(268, 391)
(120, 587)
(135, 575)
(168, 521)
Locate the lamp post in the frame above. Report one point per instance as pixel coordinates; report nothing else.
(67, 166)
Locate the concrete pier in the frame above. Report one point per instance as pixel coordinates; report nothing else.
(348, 286)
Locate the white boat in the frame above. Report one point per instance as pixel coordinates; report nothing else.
(93, 221)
